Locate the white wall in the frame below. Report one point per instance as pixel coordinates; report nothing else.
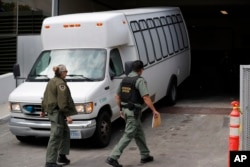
(28, 49)
(7, 84)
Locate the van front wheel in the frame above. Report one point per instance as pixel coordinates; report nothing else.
(25, 139)
(102, 133)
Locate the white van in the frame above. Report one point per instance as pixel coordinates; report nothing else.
(95, 48)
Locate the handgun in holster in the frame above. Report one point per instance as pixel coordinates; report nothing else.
(136, 112)
(132, 107)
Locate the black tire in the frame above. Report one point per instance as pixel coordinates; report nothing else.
(172, 93)
(102, 133)
(25, 139)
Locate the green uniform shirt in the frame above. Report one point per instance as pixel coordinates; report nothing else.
(57, 96)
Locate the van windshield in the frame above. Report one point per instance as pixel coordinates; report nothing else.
(82, 64)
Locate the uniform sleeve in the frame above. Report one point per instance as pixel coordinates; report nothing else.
(62, 97)
(141, 85)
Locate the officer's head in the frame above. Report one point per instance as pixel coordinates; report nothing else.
(137, 66)
(60, 71)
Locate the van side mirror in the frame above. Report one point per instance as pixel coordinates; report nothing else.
(128, 67)
(16, 70)
(112, 74)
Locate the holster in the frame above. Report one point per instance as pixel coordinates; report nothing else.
(136, 112)
(132, 107)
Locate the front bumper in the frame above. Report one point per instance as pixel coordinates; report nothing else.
(41, 128)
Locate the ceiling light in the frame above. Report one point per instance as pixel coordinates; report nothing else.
(224, 12)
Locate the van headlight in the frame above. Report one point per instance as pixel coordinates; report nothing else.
(86, 108)
(15, 107)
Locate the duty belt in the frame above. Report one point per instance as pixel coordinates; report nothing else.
(124, 105)
(130, 106)
(134, 108)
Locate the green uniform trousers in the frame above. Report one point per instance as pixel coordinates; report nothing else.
(59, 142)
(133, 130)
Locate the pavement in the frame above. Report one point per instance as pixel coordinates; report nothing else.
(4, 111)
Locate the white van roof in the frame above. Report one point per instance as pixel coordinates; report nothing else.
(92, 30)
(85, 30)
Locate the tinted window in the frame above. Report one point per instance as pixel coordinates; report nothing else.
(147, 40)
(115, 63)
(167, 35)
(178, 32)
(162, 37)
(183, 31)
(173, 33)
(155, 38)
(140, 42)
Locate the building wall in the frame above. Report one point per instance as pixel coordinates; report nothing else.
(7, 84)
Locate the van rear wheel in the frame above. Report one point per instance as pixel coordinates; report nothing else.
(172, 93)
(102, 133)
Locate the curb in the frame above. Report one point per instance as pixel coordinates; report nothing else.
(4, 117)
(4, 111)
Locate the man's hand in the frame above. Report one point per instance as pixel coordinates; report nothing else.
(156, 113)
(69, 120)
(122, 115)
(42, 114)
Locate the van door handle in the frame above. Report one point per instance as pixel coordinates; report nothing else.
(106, 88)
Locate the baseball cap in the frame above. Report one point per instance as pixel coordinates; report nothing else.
(62, 68)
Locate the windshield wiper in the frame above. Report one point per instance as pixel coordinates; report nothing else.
(82, 77)
(40, 76)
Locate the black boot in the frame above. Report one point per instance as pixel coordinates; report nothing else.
(52, 165)
(62, 159)
(113, 162)
(148, 159)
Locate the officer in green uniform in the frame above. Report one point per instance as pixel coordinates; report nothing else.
(58, 104)
(131, 95)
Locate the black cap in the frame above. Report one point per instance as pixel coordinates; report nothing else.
(137, 65)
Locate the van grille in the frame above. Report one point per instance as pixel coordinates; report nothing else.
(32, 109)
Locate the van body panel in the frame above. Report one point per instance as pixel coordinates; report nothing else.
(22, 93)
(94, 47)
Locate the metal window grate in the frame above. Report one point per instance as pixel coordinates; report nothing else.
(7, 54)
(244, 105)
(29, 22)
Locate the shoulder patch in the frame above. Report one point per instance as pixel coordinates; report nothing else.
(62, 87)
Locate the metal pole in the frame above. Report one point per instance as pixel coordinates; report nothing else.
(17, 15)
(54, 11)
